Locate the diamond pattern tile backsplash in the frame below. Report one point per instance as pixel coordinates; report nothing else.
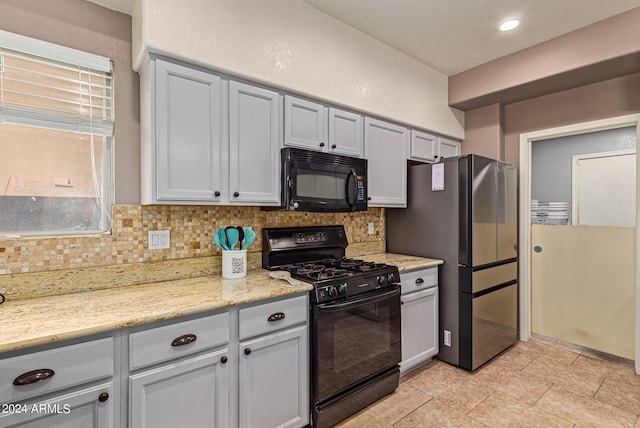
(191, 235)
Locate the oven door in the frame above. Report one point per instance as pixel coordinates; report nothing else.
(354, 340)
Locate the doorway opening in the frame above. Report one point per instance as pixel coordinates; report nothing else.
(525, 246)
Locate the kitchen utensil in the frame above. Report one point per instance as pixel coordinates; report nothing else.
(249, 237)
(232, 237)
(282, 274)
(240, 236)
(220, 238)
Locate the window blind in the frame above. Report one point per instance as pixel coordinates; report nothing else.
(49, 93)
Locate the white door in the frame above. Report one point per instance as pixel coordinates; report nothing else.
(188, 133)
(604, 189)
(274, 380)
(255, 129)
(87, 408)
(188, 393)
(386, 146)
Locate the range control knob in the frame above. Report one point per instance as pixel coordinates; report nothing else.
(342, 290)
(391, 279)
(382, 280)
(332, 292)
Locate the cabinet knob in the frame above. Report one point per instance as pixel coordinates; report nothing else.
(184, 340)
(217, 193)
(247, 351)
(333, 146)
(368, 198)
(321, 144)
(33, 376)
(103, 397)
(236, 194)
(224, 360)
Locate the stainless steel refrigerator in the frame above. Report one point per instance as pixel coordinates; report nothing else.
(463, 210)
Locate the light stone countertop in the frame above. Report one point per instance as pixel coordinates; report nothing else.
(403, 262)
(38, 321)
(32, 322)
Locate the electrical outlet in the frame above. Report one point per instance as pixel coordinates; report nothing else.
(370, 230)
(159, 239)
(447, 338)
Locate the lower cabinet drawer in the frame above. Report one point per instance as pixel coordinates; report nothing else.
(273, 316)
(177, 340)
(42, 372)
(418, 280)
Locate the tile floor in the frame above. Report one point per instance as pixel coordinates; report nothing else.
(540, 383)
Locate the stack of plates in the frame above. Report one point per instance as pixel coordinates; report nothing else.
(549, 212)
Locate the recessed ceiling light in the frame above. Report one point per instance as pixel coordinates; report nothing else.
(509, 24)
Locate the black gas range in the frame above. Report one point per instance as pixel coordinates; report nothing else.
(317, 255)
(355, 318)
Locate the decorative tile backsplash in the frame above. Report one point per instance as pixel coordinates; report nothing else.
(191, 236)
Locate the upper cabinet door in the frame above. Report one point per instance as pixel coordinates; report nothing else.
(187, 134)
(448, 148)
(345, 133)
(305, 124)
(255, 132)
(424, 147)
(386, 146)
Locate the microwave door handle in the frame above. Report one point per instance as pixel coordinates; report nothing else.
(352, 189)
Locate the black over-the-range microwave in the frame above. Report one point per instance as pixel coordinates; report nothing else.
(323, 182)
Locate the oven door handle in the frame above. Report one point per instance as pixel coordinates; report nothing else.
(332, 307)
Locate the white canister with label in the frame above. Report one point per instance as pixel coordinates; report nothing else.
(234, 264)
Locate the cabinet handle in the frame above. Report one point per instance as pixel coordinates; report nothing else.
(236, 194)
(103, 397)
(247, 351)
(419, 281)
(217, 193)
(276, 317)
(33, 377)
(184, 340)
(333, 146)
(368, 198)
(321, 144)
(224, 360)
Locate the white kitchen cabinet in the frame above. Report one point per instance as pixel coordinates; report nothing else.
(191, 392)
(255, 133)
(245, 366)
(314, 126)
(426, 147)
(181, 135)
(304, 124)
(448, 148)
(189, 388)
(386, 148)
(64, 386)
(274, 364)
(274, 379)
(419, 315)
(345, 133)
(85, 408)
(207, 140)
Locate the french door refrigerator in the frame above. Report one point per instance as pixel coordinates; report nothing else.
(463, 210)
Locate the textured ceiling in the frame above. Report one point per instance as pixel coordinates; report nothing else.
(454, 35)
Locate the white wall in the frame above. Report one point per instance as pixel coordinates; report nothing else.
(291, 45)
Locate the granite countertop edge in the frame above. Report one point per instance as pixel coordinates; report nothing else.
(38, 321)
